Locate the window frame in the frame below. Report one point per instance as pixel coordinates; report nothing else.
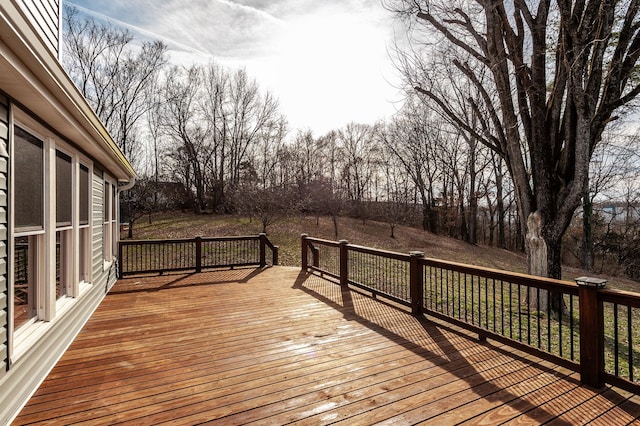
(83, 236)
(36, 252)
(66, 285)
(109, 220)
(42, 242)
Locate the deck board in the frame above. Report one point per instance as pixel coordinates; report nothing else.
(276, 346)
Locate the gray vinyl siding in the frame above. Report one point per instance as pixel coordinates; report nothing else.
(4, 288)
(101, 277)
(45, 17)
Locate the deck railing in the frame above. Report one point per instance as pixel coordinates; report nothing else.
(150, 256)
(580, 325)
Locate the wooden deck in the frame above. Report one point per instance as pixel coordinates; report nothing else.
(278, 346)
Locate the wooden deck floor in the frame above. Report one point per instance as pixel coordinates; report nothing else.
(277, 346)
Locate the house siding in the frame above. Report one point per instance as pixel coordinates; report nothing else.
(45, 17)
(4, 288)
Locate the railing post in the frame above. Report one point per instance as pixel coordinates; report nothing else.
(274, 259)
(263, 249)
(591, 331)
(120, 259)
(198, 254)
(344, 263)
(416, 287)
(305, 250)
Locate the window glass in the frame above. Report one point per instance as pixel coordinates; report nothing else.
(106, 201)
(28, 181)
(84, 195)
(24, 281)
(114, 200)
(64, 189)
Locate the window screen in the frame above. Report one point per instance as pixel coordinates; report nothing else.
(64, 189)
(28, 181)
(114, 200)
(107, 194)
(84, 195)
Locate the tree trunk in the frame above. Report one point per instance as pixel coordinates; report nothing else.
(545, 260)
(130, 230)
(587, 232)
(473, 200)
(536, 249)
(502, 241)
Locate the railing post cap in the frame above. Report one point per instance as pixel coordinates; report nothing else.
(591, 282)
(263, 234)
(416, 253)
(343, 242)
(304, 235)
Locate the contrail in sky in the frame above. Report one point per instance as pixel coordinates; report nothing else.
(250, 9)
(142, 31)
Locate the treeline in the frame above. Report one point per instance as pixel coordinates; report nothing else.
(209, 139)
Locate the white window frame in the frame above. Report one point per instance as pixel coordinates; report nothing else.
(67, 241)
(24, 336)
(109, 220)
(83, 233)
(48, 307)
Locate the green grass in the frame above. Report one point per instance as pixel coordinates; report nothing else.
(505, 312)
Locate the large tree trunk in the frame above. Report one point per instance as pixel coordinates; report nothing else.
(545, 260)
(587, 232)
(502, 241)
(537, 263)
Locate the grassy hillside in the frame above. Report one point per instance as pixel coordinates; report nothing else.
(286, 234)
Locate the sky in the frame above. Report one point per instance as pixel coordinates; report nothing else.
(327, 61)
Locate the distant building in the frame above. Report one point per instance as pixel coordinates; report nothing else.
(59, 177)
(618, 212)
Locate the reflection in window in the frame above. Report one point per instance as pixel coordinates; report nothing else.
(64, 213)
(63, 263)
(24, 288)
(84, 195)
(64, 190)
(85, 242)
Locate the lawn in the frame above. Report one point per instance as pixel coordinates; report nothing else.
(494, 306)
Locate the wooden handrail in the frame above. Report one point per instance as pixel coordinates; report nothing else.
(587, 331)
(163, 255)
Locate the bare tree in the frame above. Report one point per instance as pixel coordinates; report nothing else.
(268, 205)
(411, 137)
(112, 75)
(560, 72)
(182, 121)
(615, 158)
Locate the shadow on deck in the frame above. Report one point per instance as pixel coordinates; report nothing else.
(276, 346)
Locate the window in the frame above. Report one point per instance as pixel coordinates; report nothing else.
(114, 221)
(51, 210)
(28, 202)
(25, 281)
(107, 236)
(84, 196)
(64, 214)
(29, 182)
(64, 190)
(84, 240)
